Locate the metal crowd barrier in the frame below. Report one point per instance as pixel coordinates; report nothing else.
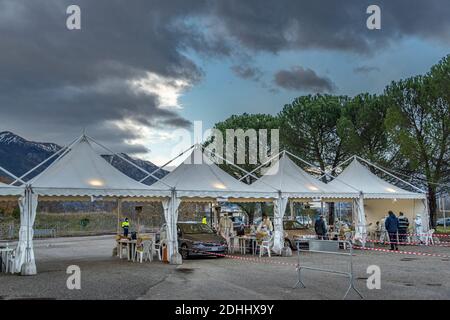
(349, 274)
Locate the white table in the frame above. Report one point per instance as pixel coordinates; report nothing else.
(6, 254)
(243, 242)
(131, 248)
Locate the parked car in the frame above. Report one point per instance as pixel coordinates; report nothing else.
(257, 221)
(292, 230)
(197, 239)
(440, 222)
(237, 221)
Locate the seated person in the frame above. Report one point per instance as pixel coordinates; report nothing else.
(262, 234)
(265, 222)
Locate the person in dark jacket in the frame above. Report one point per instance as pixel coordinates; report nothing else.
(320, 228)
(403, 224)
(391, 224)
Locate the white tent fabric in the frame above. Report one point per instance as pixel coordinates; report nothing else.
(171, 215)
(373, 187)
(360, 220)
(280, 205)
(199, 177)
(82, 172)
(7, 190)
(78, 172)
(294, 182)
(24, 261)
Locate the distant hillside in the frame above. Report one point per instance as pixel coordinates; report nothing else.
(19, 155)
(134, 172)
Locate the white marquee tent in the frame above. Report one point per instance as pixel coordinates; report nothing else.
(199, 179)
(293, 183)
(78, 173)
(381, 196)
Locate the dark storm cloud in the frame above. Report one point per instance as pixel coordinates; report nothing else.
(247, 72)
(365, 69)
(335, 25)
(57, 81)
(53, 82)
(301, 79)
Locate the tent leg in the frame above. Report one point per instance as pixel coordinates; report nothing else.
(29, 267)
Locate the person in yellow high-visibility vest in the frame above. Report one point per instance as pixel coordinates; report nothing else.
(125, 227)
(204, 221)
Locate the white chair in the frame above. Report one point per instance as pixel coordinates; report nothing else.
(7, 263)
(265, 245)
(144, 251)
(10, 261)
(121, 249)
(408, 237)
(429, 237)
(348, 237)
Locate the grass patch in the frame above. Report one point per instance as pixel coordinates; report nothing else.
(77, 223)
(442, 230)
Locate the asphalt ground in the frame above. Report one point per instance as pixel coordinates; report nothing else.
(104, 276)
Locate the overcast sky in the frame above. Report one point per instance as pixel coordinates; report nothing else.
(139, 72)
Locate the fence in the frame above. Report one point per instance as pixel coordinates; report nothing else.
(328, 247)
(60, 225)
(443, 210)
(9, 231)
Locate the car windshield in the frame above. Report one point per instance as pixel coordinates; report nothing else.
(195, 228)
(292, 225)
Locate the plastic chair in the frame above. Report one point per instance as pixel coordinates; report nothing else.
(121, 249)
(11, 259)
(384, 236)
(144, 251)
(429, 237)
(265, 245)
(348, 236)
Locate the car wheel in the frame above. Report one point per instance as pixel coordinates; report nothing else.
(184, 251)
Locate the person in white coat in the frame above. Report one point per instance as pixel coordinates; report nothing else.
(226, 229)
(418, 228)
(383, 233)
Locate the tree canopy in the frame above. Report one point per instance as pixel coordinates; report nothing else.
(406, 128)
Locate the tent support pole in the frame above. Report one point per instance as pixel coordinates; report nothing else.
(390, 174)
(260, 166)
(119, 206)
(11, 175)
(237, 167)
(166, 164)
(291, 207)
(127, 161)
(327, 174)
(443, 211)
(340, 164)
(63, 151)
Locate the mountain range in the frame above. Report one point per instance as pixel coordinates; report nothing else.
(18, 156)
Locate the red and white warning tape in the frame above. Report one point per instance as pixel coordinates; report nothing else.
(414, 253)
(412, 243)
(248, 259)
